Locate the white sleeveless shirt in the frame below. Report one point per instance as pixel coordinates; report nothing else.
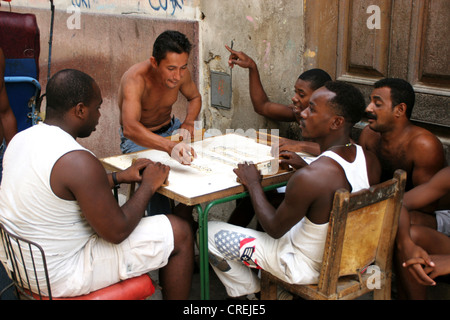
(356, 171)
(309, 238)
(28, 206)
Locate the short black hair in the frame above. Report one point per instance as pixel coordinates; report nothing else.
(316, 77)
(66, 89)
(170, 41)
(401, 92)
(348, 102)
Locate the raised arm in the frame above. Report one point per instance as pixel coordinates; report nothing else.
(261, 103)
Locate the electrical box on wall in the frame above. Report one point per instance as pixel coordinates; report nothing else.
(220, 90)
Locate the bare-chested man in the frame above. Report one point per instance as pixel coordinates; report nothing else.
(8, 124)
(147, 93)
(397, 142)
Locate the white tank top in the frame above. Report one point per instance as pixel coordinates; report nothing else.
(28, 206)
(309, 238)
(356, 171)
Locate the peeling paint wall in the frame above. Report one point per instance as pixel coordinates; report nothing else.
(113, 35)
(104, 44)
(179, 9)
(271, 32)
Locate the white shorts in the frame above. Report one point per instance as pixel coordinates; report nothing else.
(102, 263)
(234, 250)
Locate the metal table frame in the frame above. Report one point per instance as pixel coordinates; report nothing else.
(203, 235)
(272, 182)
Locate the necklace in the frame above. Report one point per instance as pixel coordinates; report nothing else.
(341, 145)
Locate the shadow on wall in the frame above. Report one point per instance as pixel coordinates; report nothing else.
(104, 47)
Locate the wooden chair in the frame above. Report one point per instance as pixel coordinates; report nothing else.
(361, 237)
(24, 256)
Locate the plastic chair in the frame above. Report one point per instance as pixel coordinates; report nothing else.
(25, 257)
(361, 237)
(20, 36)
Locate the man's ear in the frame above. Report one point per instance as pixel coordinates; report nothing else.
(153, 62)
(400, 109)
(338, 121)
(80, 110)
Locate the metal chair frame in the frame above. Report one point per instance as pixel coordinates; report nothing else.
(14, 247)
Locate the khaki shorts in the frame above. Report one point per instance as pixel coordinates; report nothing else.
(102, 263)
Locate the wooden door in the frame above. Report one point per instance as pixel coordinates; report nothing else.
(361, 41)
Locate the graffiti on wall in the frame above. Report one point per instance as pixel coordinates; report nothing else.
(164, 5)
(81, 3)
(169, 6)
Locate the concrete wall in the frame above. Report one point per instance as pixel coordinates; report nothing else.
(105, 46)
(271, 32)
(114, 35)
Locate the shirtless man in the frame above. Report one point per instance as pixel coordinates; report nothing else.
(8, 124)
(306, 84)
(147, 93)
(293, 242)
(397, 142)
(424, 253)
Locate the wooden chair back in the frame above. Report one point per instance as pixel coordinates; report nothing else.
(362, 231)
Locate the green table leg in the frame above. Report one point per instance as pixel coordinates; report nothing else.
(203, 237)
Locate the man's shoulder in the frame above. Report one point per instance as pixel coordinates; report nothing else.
(318, 172)
(368, 137)
(420, 137)
(136, 73)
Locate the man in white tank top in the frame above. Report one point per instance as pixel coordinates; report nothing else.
(57, 193)
(293, 242)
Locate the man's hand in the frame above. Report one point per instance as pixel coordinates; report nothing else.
(441, 266)
(155, 174)
(183, 153)
(133, 173)
(248, 174)
(416, 261)
(240, 58)
(292, 159)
